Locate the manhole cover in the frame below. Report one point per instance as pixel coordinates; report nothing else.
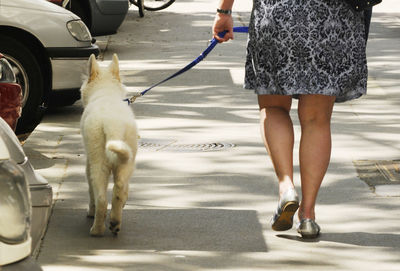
(378, 172)
(199, 147)
(170, 145)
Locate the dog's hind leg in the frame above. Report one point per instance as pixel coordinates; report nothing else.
(92, 206)
(120, 195)
(99, 178)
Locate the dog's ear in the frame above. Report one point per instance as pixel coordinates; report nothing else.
(114, 67)
(93, 68)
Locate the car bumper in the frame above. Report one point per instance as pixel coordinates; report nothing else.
(107, 16)
(41, 196)
(41, 199)
(27, 264)
(10, 253)
(114, 7)
(68, 65)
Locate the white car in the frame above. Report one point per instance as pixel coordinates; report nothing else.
(25, 204)
(48, 47)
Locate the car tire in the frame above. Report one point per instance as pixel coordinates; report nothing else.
(29, 76)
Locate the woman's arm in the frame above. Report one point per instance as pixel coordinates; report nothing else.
(223, 21)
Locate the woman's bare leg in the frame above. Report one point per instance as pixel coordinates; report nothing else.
(315, 147)
(277, 133)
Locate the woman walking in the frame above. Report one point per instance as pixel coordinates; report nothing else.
(311, 50)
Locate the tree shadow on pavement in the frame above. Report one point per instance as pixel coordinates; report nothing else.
(365, 239)
(160, 230)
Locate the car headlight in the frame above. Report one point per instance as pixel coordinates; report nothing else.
(79, 30)
(6, 73)
(15, 207)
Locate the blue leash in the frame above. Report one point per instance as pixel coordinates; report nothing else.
(213, 43)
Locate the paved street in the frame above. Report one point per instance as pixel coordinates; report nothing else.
(204, 188)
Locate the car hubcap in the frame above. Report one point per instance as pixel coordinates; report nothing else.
(21, 77)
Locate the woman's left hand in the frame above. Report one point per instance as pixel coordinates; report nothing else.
(223, 22)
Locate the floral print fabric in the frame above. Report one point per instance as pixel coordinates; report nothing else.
(306, 47)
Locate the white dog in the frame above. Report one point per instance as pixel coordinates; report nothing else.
(110, 137)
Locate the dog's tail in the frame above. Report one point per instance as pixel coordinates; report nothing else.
(118, 151)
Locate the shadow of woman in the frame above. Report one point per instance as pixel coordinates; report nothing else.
(298, 238)
(364, 239)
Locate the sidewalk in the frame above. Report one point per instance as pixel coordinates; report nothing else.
(204, 189)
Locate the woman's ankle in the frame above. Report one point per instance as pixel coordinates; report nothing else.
(285, 185)
(306, 213)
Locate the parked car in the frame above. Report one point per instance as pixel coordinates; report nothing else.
(10, 94)
(102, 17)
(47, 47)
(25, 203)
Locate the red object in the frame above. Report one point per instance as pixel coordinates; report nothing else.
(58, 2)
(10, 94)
(10, 103)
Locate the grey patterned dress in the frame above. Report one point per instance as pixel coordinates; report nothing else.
(306, 47)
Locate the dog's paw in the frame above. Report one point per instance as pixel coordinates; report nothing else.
(91, 212)
(97, 231)
(115, 227)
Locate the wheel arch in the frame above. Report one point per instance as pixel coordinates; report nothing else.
(38, 49)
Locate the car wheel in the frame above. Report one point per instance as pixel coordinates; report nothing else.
(29, 76)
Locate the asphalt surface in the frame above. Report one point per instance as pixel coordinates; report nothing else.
(204, 188)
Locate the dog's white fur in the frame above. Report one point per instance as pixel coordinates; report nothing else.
(109, 134)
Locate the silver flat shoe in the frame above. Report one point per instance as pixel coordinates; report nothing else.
(308, 228)
(287, 206)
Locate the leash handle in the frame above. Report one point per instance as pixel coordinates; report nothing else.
(211, 46)
(213, 43)
(241, 29)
